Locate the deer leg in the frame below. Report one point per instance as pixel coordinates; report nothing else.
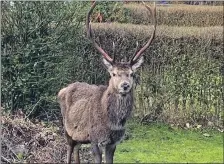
(76, 152)
(97, 153)
(70, 147)
(109, 153)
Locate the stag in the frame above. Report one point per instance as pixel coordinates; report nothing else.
(97, 115)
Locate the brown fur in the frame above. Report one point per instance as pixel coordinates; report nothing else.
(94, 113)
(97, 114)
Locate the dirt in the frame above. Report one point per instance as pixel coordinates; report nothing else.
(26, 141)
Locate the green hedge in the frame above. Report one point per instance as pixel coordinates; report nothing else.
(126, 35)
(181, 78)
(172, 15)
(43, 49)
(40, 41)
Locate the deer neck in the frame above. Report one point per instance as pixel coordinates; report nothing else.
(117, 107)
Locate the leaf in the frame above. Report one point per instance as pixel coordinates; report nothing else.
(206, 135)
(199, 126)
(220, 130)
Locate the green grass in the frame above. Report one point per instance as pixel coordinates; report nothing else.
(160, 143)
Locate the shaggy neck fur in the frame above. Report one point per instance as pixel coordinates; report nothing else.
(117, 108)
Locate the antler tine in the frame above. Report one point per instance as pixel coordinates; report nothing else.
(153, 13)
(90, 34)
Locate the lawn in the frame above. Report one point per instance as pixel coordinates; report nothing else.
(161, 143)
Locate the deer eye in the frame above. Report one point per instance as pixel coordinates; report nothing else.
(114, 74)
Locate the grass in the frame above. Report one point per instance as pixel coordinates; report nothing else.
(161, 143)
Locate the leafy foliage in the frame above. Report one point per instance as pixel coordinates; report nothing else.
(39, 39)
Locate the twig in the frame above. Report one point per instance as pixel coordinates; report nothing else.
(32, 109)
(5, 159)
(10, 149)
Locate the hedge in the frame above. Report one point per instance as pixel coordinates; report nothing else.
(182, 73)
(39, 40)
(172, 15)
(126, 35)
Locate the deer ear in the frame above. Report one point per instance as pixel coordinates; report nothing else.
(108, 64)
(137, 63)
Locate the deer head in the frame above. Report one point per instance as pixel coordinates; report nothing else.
(122, 73)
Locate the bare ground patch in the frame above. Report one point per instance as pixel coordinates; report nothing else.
(24, 141)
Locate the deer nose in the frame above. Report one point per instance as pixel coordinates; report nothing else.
(125, 86)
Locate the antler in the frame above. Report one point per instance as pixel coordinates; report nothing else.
(138, 54)
(90, 34)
